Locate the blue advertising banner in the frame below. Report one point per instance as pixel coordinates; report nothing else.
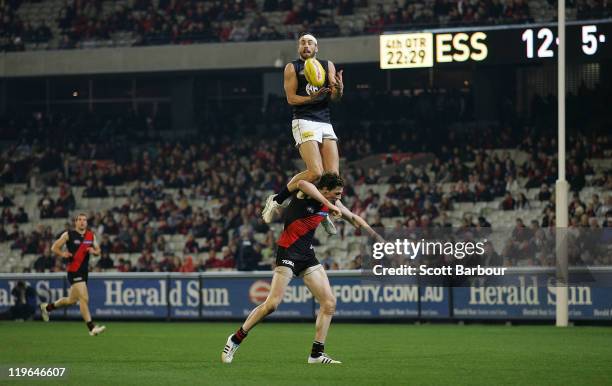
(116, 297)
(184, 297)
(435, 298)
(435, 302)
(235, 298)
(522, 294)
(529, 296)
(360, 297)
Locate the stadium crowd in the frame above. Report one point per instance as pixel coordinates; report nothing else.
(147, 22)
(447, 12)
(592, 9)
(15, 32)
(186, 22)
(233, 173)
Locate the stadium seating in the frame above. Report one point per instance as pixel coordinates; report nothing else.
(93, 23)
(342, 249)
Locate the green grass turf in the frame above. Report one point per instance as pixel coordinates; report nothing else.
(275, 354)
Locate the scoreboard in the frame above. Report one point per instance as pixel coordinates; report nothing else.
(585, 41)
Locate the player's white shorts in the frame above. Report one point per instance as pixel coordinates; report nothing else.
(304, 131)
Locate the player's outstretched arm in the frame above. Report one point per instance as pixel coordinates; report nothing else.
(358, 222)
(336, 83)
(291, 85)
(310, 190)
(59, 244)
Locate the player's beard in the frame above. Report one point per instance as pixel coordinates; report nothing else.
(309, 55)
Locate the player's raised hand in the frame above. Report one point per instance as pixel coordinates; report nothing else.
(339, 82)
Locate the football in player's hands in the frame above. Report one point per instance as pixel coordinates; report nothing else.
(314, 72)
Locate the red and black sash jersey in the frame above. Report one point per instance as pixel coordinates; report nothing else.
(302, 216)
(77, 245)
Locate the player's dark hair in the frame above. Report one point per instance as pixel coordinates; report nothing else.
(330, 181)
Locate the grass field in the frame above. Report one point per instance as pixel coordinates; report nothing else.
(275, 354)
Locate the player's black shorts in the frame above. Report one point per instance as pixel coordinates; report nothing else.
(297, 265)
(77, 277)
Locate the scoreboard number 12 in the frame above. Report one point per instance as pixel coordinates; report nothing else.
(590, 41)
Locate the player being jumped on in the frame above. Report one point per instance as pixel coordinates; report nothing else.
(295, 257)
(311, 125)
(80, 243)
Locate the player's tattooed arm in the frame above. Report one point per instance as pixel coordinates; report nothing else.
(358, 222)
(59, 244)
(312, 191)
(335, 81)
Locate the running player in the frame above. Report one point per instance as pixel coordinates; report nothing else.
(295, 257)
(80, 243)
(312, 130)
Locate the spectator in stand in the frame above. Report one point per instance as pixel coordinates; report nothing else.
(90, 190)
(212, 262)
(248, 255)
(45, 262)
(191, 245)
(544, 194)
(522, 202)
(21, 216)
(508, 202)
(105, 262)
(227, 260)
(295, 16)
(187, 265)
(46, 206)
(146, 262)
(126, 266)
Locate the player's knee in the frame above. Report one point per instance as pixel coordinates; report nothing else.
(328, 306)
(315, 173)
(84, 299)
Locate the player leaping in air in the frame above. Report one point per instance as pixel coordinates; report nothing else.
(295, 257)
(80, 243)
(311, 125)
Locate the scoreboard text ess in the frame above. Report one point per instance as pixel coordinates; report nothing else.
(494, 45)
